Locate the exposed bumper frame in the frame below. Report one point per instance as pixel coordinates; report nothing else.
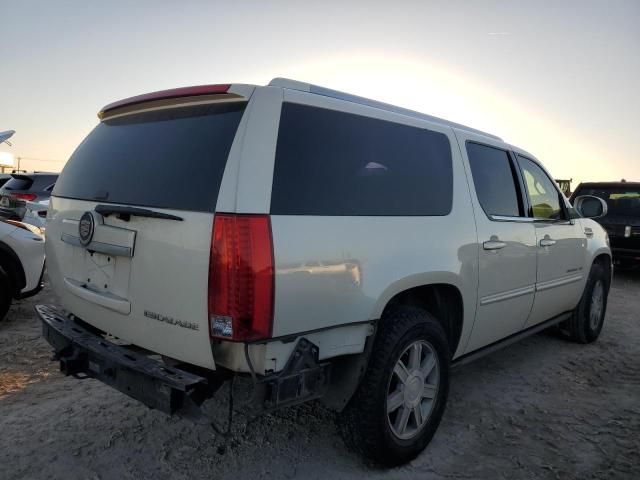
(85, 354)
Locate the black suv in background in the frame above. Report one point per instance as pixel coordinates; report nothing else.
(622, 221)
(31, 187)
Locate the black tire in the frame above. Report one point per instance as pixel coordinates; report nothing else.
(364, 423)
(581, 328)
(6, 293)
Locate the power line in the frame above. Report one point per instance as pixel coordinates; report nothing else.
(21, 157)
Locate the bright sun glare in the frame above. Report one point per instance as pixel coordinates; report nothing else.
(441, 91)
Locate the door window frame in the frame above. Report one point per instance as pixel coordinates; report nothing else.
(523, 200)
(566, 220)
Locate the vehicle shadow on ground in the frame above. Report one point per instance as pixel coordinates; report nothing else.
(626, 275)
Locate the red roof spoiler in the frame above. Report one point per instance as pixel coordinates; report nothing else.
(165, 95)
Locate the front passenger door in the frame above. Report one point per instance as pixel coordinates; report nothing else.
(561, 246)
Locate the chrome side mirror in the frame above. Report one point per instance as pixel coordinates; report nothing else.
(589, 206)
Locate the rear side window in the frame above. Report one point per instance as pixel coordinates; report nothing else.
(166, 159)
(336, 163)
(494, 179)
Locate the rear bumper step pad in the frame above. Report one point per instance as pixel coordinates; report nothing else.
(85, 354)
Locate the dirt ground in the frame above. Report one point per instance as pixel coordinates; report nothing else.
(543, 408)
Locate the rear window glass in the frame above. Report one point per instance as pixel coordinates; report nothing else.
(336, 163)
(44, 182)
(494, 179)
(621, 201)
(20, 183)
(166, 159)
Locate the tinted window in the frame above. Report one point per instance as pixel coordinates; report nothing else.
(494, 179)
(621, 200)
(543, 195)
(167, 159)
(18, 183)
(335, 163)
(41, 182)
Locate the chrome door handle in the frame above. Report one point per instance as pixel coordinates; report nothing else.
(493, 245)
(547, 242)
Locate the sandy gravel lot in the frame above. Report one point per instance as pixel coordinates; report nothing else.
(543, 408)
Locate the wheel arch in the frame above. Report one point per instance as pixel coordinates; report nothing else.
(443, 300)
(604, 259)
(11, 264)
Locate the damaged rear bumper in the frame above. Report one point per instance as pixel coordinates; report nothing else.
(83, 353)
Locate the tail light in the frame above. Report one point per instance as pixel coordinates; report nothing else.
(241, 284)
(27, 197)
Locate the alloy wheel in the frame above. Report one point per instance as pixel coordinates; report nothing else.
(413, 389)
(597, 305)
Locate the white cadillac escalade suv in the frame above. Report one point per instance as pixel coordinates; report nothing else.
(318, 245)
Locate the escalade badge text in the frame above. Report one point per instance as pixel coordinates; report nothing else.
(171, 320)
(86, 227)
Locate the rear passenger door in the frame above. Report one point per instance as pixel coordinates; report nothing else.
(561, 245)
(506, 242)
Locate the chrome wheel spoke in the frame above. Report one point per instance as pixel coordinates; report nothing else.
(427, 365)
(402, 419)
(394, 401)
(429, 391)
(401, 372)
(415, 355)
(417, 413)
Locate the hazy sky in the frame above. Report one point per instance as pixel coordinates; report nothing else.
(560, 79)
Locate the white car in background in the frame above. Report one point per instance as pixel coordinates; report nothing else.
(21, 262)
(36, 213)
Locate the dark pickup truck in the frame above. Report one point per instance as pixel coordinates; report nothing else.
(622, 221)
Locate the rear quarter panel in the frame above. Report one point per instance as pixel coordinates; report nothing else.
(338, 270)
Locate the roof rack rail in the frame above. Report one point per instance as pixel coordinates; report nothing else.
(327, 92)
